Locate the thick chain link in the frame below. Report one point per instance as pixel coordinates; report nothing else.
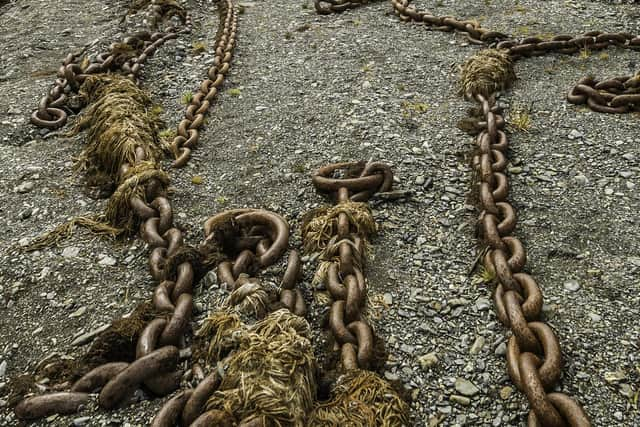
(619, 95)
(171, 262)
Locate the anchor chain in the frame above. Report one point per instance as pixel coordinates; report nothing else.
(533, 356)
(344, 254)
(172, 263)
(258, 240)
(616, 96)
(51, 114)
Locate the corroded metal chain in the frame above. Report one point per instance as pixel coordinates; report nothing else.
(259, 239)
(119, 57)
(533, 356)
(188, 129)
(617, 95)
(601, 98)
(344, 254)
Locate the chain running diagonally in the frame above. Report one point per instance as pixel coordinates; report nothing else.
(617, 95)
(73, 71)
(172, 263)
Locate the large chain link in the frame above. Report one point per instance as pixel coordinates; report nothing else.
(345, 254)
(533, 356)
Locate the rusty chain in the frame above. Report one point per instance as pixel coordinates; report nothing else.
(533, 356)
(73, 71)
(262, 238)
(345, 254)
(619, 95)
(188, 129)
(171, 262)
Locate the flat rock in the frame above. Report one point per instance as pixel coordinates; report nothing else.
(466, 387)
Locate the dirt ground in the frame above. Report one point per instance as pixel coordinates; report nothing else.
(309, 90)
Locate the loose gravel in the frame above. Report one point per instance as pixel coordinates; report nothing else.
(309, 90)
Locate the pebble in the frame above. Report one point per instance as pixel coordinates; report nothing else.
(505, 392)
(79, 312)
(107, 260)
(595, 317)
(580, 179)
(625, 174)
(477, 345)
(25, 187)
(420, 180)
(3, 368)
(466, 387)
(483, 304)
(387, 298)
(77, 422)
(575, 134)
(629, 156)
(461, 400)
(428, 361)
(85, 338)
(571, 285)
(618, 415)
(501, 349)
(608, 191)
(70, 252)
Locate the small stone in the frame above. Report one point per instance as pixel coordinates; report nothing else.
(25, 214)
(366, 85)
(85, 338)
(466, 387)
(420, 180)
(595, 317)
(428, 361)
(387, 298)
(608, 191)
(501, 349)
(626, 390)
(78, 422)
(461, 400)
(629, 156)
(515, 170)
(483, 304)
(571, 285)
(505, 392)
(614, 377)
(70, 252)
(618, 415)
(390, 376)
(575, 134)
(477, 345)
(625, 174)
(107, 260)
(25, 187)
(79, 312)
(3, 368)
(580, 179)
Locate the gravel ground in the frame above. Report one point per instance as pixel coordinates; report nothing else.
(360, 85)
